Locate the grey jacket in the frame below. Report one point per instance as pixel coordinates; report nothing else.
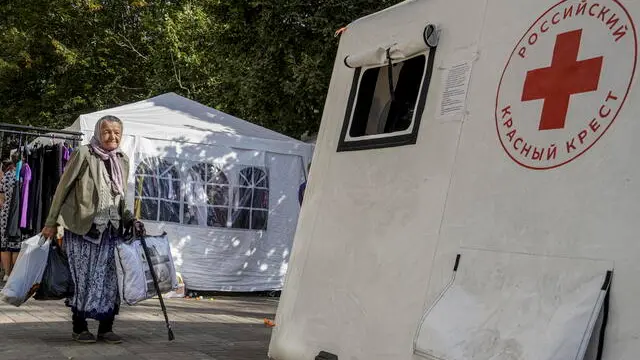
(75, 202)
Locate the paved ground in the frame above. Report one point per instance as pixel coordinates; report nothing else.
(225, 328)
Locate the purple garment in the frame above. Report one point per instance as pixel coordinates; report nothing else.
(25, 176)
(66, 155)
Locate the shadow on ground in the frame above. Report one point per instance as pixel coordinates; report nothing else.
(223, 329)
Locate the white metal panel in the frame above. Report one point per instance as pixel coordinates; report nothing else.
(515, 306)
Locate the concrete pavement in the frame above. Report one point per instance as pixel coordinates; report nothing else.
(225, 328)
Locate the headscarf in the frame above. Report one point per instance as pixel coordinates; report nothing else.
(111, 157)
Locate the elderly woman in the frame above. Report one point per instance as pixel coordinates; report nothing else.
(89, 203)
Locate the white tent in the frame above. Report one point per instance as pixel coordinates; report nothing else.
(486, 209)
(225, 190)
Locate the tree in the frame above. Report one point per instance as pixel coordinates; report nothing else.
(268, 62)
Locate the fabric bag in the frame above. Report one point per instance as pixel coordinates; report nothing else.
(57, 282)
(135, 282)
(27, 273)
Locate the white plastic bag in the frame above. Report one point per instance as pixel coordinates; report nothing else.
(27, 273)
(135, 282)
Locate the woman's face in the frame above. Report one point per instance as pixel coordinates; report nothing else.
(110, 134)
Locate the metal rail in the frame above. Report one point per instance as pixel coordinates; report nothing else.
(38, 129)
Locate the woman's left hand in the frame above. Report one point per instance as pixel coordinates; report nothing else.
(49, 232)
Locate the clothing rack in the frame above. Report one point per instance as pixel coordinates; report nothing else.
(37, 174)
(53, 136)
(40, 130)
(31, 131)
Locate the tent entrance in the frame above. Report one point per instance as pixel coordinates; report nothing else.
(501, 306)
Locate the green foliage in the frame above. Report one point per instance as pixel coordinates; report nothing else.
(268, 62)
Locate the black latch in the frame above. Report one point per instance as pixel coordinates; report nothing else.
(392, 92)
(323, 355)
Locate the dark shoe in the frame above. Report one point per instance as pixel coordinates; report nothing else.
(84, 337)
(110, 338)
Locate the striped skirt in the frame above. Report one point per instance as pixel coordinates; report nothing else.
(93, 269)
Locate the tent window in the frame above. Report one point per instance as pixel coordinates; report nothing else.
(203, 196)
(386, 104)
(157, 191)
(251, 199)
(206, 198)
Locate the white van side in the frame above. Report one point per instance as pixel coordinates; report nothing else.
(474, 193)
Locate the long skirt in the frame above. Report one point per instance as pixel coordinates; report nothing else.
(93, 268)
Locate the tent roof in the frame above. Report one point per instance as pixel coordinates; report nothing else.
(171, 116)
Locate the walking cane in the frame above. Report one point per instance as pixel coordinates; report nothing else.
(155, 281)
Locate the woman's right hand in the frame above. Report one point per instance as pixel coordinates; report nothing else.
(138, 228)
(49, 232)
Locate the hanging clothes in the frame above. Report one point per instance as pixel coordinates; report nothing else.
(36, 177)
(66, 155)
(18, 168)
(7, 187)
(25, 182)
(60, 155)
(34, 165)
(13, 221)
(39, 218)
(52, 175)
(39, 182)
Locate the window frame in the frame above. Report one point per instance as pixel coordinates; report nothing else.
(235, 188)
(206, 182)
(385, 140)
(184, 168)
(157, 176)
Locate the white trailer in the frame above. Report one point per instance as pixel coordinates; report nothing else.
(475, 192)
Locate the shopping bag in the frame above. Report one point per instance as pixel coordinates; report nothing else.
(27, 273)
(57, 282)
(135, 280)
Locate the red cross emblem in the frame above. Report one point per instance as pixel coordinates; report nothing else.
(565, 82)
(566, 76)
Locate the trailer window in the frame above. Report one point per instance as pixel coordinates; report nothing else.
(386, 104)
